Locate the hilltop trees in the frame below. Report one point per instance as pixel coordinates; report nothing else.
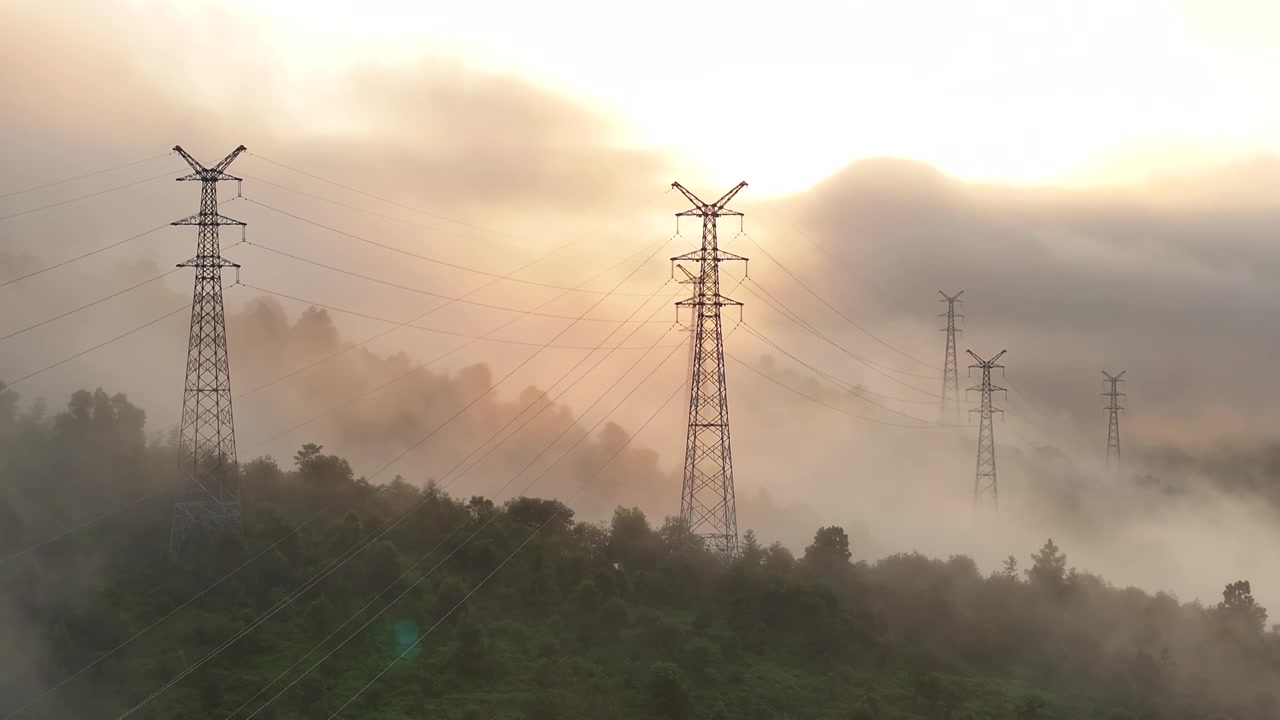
(517, 608)
(830, 549)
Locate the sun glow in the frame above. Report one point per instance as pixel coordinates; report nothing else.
(993, 90)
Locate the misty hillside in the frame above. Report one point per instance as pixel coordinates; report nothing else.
(623, 619)
(891, 489)
(452, 313)
(301, 374)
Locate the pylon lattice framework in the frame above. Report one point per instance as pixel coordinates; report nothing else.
(208, 493)
(985, 491)
(950, 375)
(707, 505)
(1113, 408)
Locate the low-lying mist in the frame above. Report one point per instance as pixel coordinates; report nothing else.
(798, 464)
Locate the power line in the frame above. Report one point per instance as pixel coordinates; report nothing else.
(385, 200)
(84, 197)
(652, 346)
(766, 376)
(1027, 400)
(383, 468)
(832, 307)
(289, 534)
(442, 356)
(220, 580)
(811, 329)
(417, 224)
(1014, 429)
(788, 314)
(192, 599)
(841, 262)
(278, 606)
(120, 508)
(92, 252)
(535, 354)
(89, 305)
(85, 175)
(388, 331)
(428, 258)
(332, 567)
(428, 293)
(169, 614)
(841, 384)
(1023, 416)
(409, 324)
(81, 257)
(531, 263)
(455, 478)
(520, 547)
(83, 525)
(102, 344)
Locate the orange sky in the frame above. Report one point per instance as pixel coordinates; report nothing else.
(989, 89)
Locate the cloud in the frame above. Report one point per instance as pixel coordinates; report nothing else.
(1169, 284)
(491, 143)
(488, 147)
(512, 171)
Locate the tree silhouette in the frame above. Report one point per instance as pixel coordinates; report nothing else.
(1240, 612)
(830, 549)
(1048, 568)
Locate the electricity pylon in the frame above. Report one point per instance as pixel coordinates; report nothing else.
(1113, 409)
(950, 377)
(707, 504)
(985, 492)
(208, 494)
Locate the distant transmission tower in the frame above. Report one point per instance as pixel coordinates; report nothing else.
(707, 502)
(1113, 409)
(985, 492)
(208, 496)
(950, 378)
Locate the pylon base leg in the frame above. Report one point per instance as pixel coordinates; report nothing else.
(200, 522)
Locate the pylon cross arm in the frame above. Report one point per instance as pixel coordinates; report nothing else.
(697, 256)
(713, 209)
(209, 173)
(218, 219)
(208, 262)
(209, 176)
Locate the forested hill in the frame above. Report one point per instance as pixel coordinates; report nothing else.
(345, 595)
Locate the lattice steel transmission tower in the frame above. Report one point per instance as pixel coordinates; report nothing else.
(1113, 408)
(950, 375)
(707, 503)
(208, 494)
(985, 492)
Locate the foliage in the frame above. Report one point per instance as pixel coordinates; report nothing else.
(518, 610)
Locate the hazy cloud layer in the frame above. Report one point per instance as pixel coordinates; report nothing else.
(1169, 281)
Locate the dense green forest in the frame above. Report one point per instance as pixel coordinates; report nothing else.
(569, 619)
